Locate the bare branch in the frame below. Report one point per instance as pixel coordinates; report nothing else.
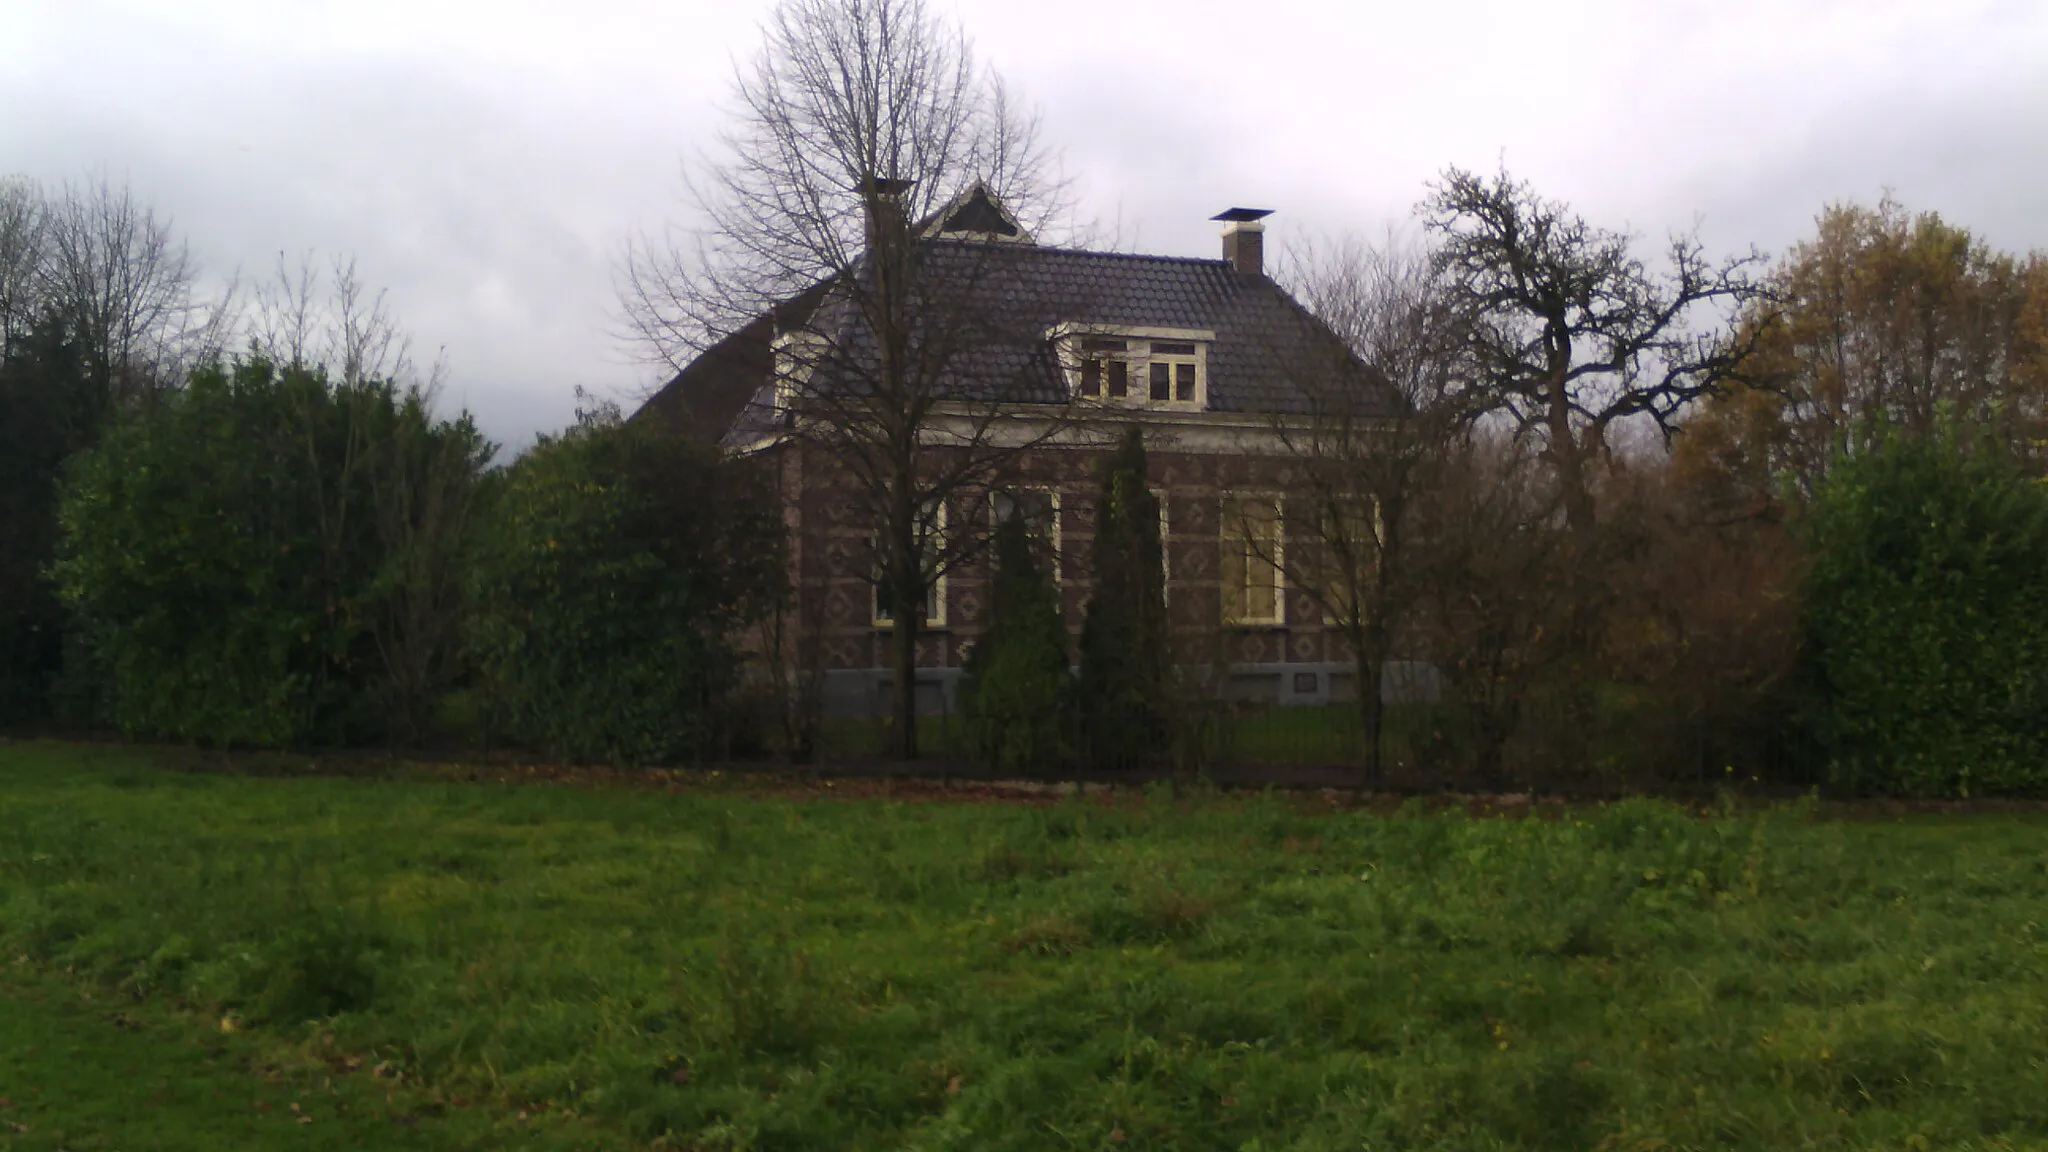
(857, 124)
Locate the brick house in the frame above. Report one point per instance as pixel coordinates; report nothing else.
(1204, 355)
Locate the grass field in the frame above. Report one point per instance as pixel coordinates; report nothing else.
(722, 968)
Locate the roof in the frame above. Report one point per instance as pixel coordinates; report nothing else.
(1264, 340)
(711, 395)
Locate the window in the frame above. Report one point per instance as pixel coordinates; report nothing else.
(1155, 367)
(1103, 358)
(932, 527)
(1041, 512)
(1251, 560)
(1174, 367)
(1353, 535)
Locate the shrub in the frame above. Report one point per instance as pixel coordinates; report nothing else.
(254, 557)
(1927, 619)
(1015, 680)
(620, 564)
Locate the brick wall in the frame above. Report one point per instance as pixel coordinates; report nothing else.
(830, 560)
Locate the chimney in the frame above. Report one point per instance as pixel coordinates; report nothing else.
(1244, 239)
(884, 198)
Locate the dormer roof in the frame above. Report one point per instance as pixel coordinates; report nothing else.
(976, 214)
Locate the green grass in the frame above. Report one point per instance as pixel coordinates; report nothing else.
(717, 969)
(82, 1071)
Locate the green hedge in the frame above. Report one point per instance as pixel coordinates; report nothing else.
(248, 556)
(1927, 614)
(619, 566)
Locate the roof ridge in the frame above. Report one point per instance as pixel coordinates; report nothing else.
(1055, 250)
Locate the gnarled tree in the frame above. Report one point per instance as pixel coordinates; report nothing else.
(1568, 331)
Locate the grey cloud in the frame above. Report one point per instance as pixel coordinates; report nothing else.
(489, 184)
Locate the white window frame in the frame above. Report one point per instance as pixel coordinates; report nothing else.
(1055, 544)
(1278, 564)
(936, 593)
(1070, 340)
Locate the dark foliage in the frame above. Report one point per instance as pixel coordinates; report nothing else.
(1123, 691)
(237, 553)
(1015, 682)
(1927, 617)
(49, 409)
(620, 565)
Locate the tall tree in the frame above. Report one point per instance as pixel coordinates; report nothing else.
(858, 121)
(93, 301)
(48, 411)
(122, 282)
(1125, 665)
(1875, 325)
(22, 218)
(1569, 332)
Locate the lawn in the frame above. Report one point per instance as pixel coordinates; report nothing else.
(722, 967)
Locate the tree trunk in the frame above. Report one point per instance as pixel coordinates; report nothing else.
(1372, 711)
(908, 609)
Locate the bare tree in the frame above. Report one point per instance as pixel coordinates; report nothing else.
(22, 218)
(1493, 567)
(1362, 464)
(305, 317)
(859, 124)
(1568, 331)
(115, 274)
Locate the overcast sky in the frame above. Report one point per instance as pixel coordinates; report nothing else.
(484, 162)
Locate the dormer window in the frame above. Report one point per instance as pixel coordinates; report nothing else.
(1142, 367)
(1174, 366)
(1105, 367)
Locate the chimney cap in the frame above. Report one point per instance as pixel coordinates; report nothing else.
(1242, 215)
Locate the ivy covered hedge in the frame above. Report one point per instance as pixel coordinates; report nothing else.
(1927, 611)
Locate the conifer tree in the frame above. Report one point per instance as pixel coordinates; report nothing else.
(1015, 680)
(1124, 665)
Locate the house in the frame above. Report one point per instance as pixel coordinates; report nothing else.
(1063, 349)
